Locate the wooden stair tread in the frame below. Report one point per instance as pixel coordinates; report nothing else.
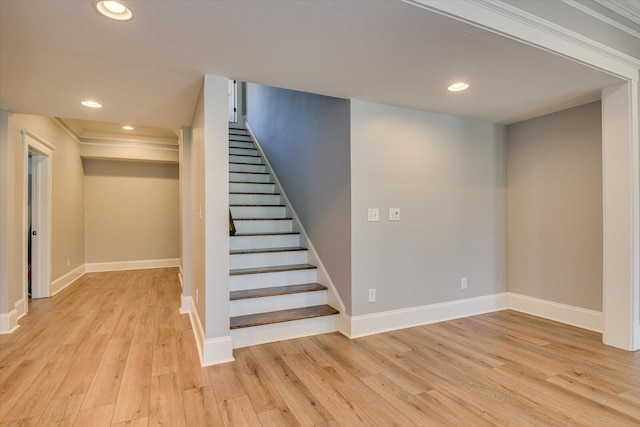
(275, 233)
(245, 155)
(250, 182)
(245, 163)
(254, 206)
(251, 173)
(261, 219)
(267, 250)
(275, 291)
(263, 194)
(281, 316)
(276, 269)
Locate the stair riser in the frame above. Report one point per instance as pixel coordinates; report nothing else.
(261, 242)
(253, 177)
(271, 259)
(243, 159)
(254, 199)
(234, 167)
(279, 302)
(243, 151)
(245, 337)
(251, 188)
(268, 280)
(263, 226)
(241, 144)
(239, 137)
(240, 212)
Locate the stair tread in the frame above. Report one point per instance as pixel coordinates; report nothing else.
(261, 219)
(267, 250)
(250, 173)
(245, 155)
(253, 206)
(245, 163)
(250, 182)
(281, 316)
(275, 291)
(276, 269)
(276, 233)
(262, 194)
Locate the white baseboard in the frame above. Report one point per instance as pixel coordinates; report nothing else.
(66, 280)
(131, 265)
(369, 324)
(21, 308)
(9, 321)
(212, 351)
(185, 304)
(571, 315)
(217, 350)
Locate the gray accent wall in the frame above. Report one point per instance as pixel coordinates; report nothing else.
(554, 207)
(306, 139)
(447, 176)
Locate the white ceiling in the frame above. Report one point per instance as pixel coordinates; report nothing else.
(148, 71)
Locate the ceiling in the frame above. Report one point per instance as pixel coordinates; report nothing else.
(148, 71)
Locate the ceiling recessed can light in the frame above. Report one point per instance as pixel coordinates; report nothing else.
(91, 104)
(127, 127)
(114, 10)
(457, 87)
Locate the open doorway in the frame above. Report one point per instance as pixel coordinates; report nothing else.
(37, 216)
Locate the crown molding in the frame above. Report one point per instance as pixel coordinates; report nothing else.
(623, 21)
(62, 123)
(629, 10)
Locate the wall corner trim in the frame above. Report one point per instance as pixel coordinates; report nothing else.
(217, 350)
(369, 324)
(575, 316)
(185, 304)
(9, 321)
(62, 282)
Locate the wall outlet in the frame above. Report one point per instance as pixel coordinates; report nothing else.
(68, 262)
(372, 295)
(394, 214)
(373, 214)
(197, 296)
(463, 283)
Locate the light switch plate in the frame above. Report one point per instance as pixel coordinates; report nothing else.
(373, 214)
(394, 214)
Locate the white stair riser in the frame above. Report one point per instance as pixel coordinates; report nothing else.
(263, 226)
(245, 337)
(246, 151)
(253, 177)
(279, 302)
(270, 259)
(235, 187)
(261, 242)
(268, 280)
(243, 137)
(236, 167)
(241, 144)
(239, 212)
(243, 159)
(254, 199)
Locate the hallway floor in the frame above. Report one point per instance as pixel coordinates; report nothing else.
(112, 349)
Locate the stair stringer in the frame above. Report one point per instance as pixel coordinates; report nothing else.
(333, 298)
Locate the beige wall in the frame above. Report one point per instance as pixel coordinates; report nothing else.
(132, 211)
(66, 198)
(554, 207)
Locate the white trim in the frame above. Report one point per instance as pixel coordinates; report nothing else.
(9, 322)
(196, 325)
(369, 324)
(314, 258)
(131, 265)
(245, 337)
(624, 9)
(185, 304)
(21, 308)
(563, 313)
(65, 127)
(128, 144)
(216, 351)
(511, 22)
(603, 17)
(39, 139)
(62, 282)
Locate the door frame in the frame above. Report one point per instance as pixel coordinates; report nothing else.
(42, 152)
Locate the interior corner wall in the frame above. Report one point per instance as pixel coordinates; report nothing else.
(131, 211)
(306, 139)
(5, 203)
(447, 175)
(67, 200)
(554, 207)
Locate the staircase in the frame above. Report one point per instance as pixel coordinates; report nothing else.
(274, 290)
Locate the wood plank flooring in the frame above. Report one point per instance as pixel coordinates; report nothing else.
(112, 349)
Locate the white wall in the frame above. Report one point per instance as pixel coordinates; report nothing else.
(131, 211)
(447, 175)
(554, 207)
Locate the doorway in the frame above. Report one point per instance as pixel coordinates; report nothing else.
(37, 216)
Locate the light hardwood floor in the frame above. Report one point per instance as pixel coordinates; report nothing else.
(112, 349)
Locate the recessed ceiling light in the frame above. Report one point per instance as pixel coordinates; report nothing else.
(91, 104)
(114, 10)
(457, 87)
(127, 127)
